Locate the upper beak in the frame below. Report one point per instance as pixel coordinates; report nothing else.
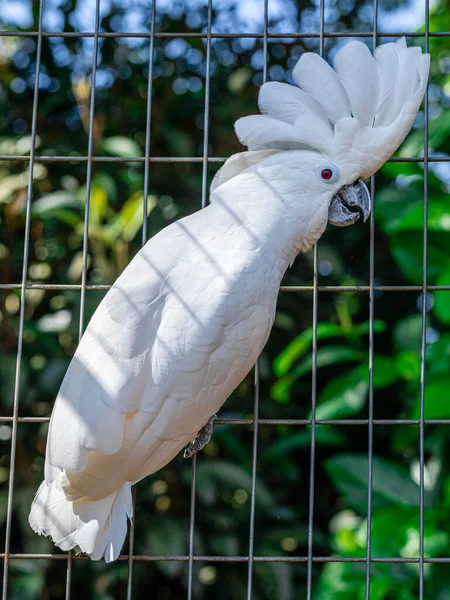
(354, 195)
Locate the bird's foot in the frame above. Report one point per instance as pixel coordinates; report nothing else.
(203, 437)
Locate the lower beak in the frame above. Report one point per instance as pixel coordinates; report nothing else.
(355, 195)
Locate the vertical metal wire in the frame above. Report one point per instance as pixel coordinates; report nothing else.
(371, 350)
(89, 170)
(144, 239)
(206, 115)
(204, 201)
(251, 540)
(131, 544)
(148, 120)
(26, 252)
(86, 224)
(314, 373)
(424, 323)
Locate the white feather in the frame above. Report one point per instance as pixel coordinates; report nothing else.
(259, 132)
(236, 164)
(286, 102)
(407, 77)
(316, 77)
(93, 526)
(386, 56)
(315, 132)
(359, 74)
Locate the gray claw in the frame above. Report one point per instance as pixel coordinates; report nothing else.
(203, 437)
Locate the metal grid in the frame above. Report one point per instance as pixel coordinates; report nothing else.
(147, 160)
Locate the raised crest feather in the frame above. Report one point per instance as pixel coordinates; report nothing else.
(286, 102)
(360, 75)
(379, 93)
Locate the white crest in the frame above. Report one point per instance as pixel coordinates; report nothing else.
(357, 114)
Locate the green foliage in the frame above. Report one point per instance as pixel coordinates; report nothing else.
(390, 484)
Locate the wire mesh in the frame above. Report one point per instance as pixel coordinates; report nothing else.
(191, 558)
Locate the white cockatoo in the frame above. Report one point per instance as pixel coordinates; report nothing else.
(187, 319)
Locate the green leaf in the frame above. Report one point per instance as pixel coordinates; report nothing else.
(121, 146)
(46, 205)
(97, 205)
(65, 215)
(325, 435)
(438, 216)
(330, 355)
(438, 355)
(107, 183)
(344, 396)
(131, 214)
(406, 248)
(393, 170)
(391, 483)
(436, 404)
(395, 204)
(438, 133)
(299, 346)
(407, 366)
(442, 299)
(28, 580)
(363, 328)
(281, 390)
(127, 223)
(384, 373)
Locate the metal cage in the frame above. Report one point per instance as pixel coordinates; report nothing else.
(368, 424)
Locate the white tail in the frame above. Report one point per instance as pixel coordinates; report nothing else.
(96, 527)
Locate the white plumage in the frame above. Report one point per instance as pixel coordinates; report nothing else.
(370, 102)
(187, 319)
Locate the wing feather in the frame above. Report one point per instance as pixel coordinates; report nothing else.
(107, 376)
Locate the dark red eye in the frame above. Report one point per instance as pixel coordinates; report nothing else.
(326, 173)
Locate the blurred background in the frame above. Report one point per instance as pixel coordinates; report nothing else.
(115, 233)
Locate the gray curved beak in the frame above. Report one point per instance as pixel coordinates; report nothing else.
(351, 196)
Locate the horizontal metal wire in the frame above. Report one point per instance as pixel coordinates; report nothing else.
(283, 288)
(225, 35)
(116, 159)
(240, 559)
(342, 422)
(174, 159)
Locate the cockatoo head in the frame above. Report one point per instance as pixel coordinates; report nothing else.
(340, 125)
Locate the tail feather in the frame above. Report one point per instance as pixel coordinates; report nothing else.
(96, 527)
